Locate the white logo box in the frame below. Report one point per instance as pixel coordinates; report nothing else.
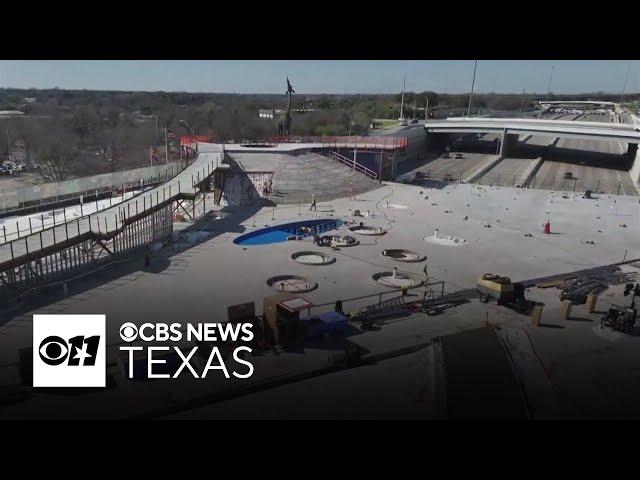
(67, 327)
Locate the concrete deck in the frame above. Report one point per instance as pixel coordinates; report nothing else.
(199, 282)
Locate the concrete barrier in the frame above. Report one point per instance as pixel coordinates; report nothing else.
(531, 172)
(479, 172)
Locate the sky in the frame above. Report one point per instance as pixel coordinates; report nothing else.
(322, 76)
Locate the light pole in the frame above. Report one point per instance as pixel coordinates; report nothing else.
(404, 86)
(550, 78)
(155, 136)
(166, 146)
(522, 102)
(624, 87)
(473, 82)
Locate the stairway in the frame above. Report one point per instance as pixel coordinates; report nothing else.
(296, 178)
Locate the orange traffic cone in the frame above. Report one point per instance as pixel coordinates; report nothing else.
(547, 227)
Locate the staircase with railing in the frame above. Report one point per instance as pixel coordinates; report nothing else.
(353, 164)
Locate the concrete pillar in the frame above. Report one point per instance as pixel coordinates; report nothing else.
(507, 143)
(536, 316)
(565, 310)
(592, 300)
(632, 151)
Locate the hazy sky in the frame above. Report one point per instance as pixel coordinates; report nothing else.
(321, 76)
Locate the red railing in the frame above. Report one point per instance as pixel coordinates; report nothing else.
(372, 143)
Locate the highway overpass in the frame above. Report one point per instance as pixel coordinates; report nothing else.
(511, 128)
(578, 104)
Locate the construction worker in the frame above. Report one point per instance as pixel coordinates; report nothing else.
(313, 203)
(425, 279)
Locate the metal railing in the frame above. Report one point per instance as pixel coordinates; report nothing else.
(432, 291)
(353, 164)
(42, 222)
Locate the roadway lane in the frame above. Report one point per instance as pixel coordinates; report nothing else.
(509, 172)
(595, 165)
(514, 170)
(456, 168)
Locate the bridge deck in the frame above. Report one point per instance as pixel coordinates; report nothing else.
(603, 131)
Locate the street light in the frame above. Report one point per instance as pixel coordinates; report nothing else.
(473, 82)
(156, 132)
(550, 78)
(624, 87)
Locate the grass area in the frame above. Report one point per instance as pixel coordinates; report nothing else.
(385, 122)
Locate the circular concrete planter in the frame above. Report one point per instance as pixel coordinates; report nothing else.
(291, 284)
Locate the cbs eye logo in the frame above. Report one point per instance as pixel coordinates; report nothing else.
(77, 351)
(128, 332)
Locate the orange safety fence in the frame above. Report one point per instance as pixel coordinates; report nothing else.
(190, 139)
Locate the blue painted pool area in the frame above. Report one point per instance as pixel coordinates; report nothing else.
(280, 233)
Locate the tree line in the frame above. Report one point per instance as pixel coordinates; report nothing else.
(101, 131)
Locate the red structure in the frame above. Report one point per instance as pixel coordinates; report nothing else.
(547, 227)
(189, 139)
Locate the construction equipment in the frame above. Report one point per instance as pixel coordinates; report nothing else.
(623, 319)
(495, 287)
(503, 291)
(619, 318)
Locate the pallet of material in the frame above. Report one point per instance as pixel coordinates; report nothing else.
(551, 283)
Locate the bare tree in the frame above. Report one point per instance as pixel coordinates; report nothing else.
(56, 162)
